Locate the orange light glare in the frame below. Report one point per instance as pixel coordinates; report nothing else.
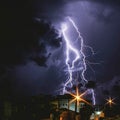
(110, 101)
(78, 97)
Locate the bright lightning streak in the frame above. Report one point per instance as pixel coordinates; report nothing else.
(93, 96)
(79, 57)
(69, 48)
(81, 49)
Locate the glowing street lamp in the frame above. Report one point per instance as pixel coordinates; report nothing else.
(110, 101)
(78, 97)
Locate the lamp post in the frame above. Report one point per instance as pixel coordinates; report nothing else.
(77, 99)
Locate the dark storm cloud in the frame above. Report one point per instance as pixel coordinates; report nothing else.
(23, 39)
(105, 12)
(91, 84)
(47, 36)
(113, 2)
(107, 89)
(22, 36)
(26, 37)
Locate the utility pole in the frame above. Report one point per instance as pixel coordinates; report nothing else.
(76, 101)
(77, 93)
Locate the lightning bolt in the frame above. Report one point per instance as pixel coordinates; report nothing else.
(78, 63)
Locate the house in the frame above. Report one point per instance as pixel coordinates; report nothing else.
(64, 102)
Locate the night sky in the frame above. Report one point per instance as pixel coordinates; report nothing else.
(32, 50)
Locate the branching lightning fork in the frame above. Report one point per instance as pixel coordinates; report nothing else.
(79, 58)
